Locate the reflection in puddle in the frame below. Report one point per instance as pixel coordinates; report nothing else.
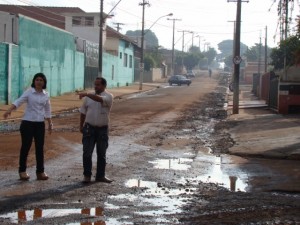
(161, 204)
(174, 164)
(156, 189)
(223, 173)
(217, 174)
(23, 216)
(168, 205)
(140, 183)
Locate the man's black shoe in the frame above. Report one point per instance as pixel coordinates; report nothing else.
(103, 179)
(86, 179)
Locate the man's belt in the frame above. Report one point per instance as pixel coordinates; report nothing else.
(97, 127)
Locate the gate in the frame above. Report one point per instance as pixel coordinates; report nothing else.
(91, 64)
(256, 84)
(273, 96)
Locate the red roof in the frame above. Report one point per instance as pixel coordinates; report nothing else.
(49, 15)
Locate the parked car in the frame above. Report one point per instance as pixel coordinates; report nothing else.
(190, 74)
(179, 80)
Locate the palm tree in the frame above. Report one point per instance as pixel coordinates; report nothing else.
(297, 53)
(284, 8)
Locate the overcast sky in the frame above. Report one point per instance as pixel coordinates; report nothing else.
(209, 19)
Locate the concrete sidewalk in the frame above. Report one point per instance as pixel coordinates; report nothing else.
(71, 101)
(259, 132)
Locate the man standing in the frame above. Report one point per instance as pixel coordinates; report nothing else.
(94, 121)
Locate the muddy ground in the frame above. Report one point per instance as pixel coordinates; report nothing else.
(168, 160)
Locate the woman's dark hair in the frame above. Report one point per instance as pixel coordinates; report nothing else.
(102, 80)
(41, 75)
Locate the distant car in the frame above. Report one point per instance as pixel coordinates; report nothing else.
(179, 80)
(190, 74)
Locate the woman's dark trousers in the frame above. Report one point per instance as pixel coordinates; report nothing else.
(32, 131)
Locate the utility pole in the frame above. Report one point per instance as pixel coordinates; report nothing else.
(118, 26)
(233, 43)
(285, 35)
(199, 41)
(237, 58)
(182, 49)
(259, 55)
(143, 4)
(183, 33)
(100, 40)
(173, 40)
(193, 38)
(266, 49)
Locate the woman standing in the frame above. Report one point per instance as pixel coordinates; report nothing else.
(38, 109)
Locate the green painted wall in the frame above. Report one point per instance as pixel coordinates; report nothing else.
(3, 72)
(52, 51)
(114, 70)
(46, 49)
(15, 75)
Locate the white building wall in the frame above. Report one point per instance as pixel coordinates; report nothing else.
(8, 28)
(90, 33)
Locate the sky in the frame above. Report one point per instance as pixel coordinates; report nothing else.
(208, 21)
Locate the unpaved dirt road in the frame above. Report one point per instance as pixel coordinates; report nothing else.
(160, 158)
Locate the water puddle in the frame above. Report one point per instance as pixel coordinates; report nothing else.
(174, 164)
(158, 207)
(156, 189)
(226, 174)
(220, 171)
(214, 169)
(24, 216)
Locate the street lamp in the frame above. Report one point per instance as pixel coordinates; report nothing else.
(206, 44)
(101, 27)
(142, 44)
(170, 14)
(199, 41)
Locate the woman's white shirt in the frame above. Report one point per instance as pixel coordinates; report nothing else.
(38, 105)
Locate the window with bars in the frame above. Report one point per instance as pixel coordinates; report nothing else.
(130, 61)
(86, 21)
(125, 59)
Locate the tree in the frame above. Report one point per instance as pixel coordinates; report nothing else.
(297, 51)
(155, 55)
(228, 61)
(194, 49)
(210, 55)
(150, 38)
(226, 48)
(149, 62)
(190, 60)
(291, 46)
(253, 53)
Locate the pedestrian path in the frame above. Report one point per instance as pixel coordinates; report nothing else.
(246, 99)
(260, 132)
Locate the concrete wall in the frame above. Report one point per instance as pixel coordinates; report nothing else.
(153, 75)
(115, 70)
(42, 48)
(3, 72)
(289, 97)
(292, 74)
(53, 52)
(250, 69)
